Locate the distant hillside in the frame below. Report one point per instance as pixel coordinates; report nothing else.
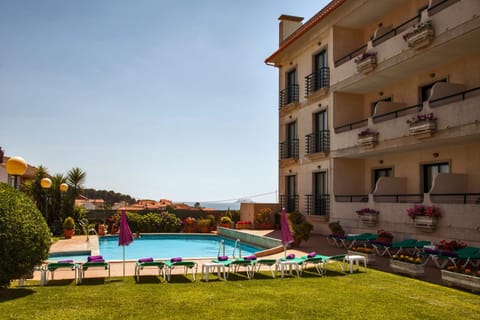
(110, 197)
(219, 205)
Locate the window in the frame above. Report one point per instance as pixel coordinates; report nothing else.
(378, 173)
(320, 199)
(320, 78)
(426, 90)
(291, 185)
(292, 141)
(292, 88)
(429, 171)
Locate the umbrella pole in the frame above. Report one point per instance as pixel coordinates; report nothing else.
(284, 250)
(123, 261)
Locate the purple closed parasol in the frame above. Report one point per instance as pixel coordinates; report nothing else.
(125, 236)
(287, 236)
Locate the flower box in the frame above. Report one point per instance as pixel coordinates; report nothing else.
(370, 257)
(368, 141)
(369, 220)
(421, 36)
(411, 269)
(422, 128)
(366, 64)
(461, 280)
(426, 223)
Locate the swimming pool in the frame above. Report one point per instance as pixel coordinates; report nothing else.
(165, 246)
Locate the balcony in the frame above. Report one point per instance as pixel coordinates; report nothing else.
(289, 95)
(317, 204)
(317, 81)
(451, 104)
(318, 142)
(289, 149)
(405, 50)
(289, 202)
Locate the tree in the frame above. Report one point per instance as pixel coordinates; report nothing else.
(24, 235)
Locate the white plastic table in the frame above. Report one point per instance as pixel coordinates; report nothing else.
(351, 259)
(288, 266)
(210, 267)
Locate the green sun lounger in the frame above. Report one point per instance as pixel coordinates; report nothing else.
(270, 263)
(94, 264)
(160, 265)
(51, 267)
(235, 265)
(187, 265)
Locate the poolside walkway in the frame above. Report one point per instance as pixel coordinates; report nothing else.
(316, 243)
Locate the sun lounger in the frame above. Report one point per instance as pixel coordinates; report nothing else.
(351, 240)
(178, 262)
(464, 256)
(94, 262)
(66, 264)
(270, 263)
(395, 248)
(234, 265)
(149, 263)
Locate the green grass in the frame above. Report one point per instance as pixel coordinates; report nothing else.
(371, 295)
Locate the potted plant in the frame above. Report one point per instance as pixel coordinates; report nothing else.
(384, 236)
(190, 225)
(422, 124)
(225, 222)
(464, 277)
(406, 264)
(212, 219)
(264, 219)
(301, 227)
(204, 225)
(336, 229)
(243, 225)
(425, 217)
(366, 62)
(68, 227)
(421, 35)
(367, 138)
(368, 216)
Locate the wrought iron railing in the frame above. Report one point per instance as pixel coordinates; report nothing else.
(317, 80)
(317, 142)
(470, 198)
(317, 204)
(398, 198)
(397, 113)
(352, 198)
(289, 95)
(289, 149)
(289, 202)
(351, 126)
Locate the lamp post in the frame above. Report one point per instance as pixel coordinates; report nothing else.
(16, 166)
(63, 188)
(46, 183)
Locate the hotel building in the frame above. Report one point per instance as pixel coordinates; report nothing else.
(379, 107)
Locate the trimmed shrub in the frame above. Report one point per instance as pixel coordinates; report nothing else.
(169, 223)
(24, 235)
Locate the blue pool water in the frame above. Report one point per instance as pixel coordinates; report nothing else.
(165, 246)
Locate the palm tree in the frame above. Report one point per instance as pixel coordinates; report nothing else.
(76, 178)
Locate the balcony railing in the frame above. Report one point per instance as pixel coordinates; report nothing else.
(318, 80)
(289, 149)
(351, 126)
(465, 198)
(318, 142)
(460, 95)
(289, 202)
(397, 113)
(289, 95)
(395, 31)
(352, 198)
(398, 198)
(317, 204)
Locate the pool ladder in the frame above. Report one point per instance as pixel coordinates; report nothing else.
(221, 248)
(237, 243)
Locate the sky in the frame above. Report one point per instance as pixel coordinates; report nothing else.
(164, 99)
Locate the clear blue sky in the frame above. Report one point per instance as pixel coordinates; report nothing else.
(155, 99)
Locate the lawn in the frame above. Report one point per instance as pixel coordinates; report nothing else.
(371, 295)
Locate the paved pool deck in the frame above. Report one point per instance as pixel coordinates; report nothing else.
(317, 243)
